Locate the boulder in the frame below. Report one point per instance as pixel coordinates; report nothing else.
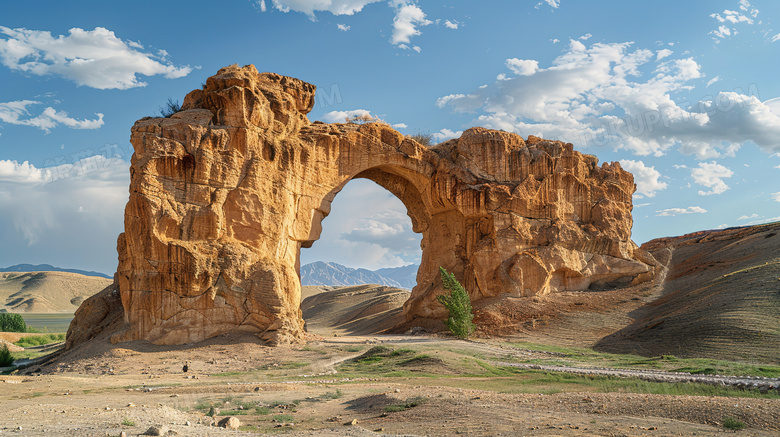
(230, 423)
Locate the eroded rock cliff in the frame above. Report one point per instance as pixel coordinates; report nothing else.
(224, 194)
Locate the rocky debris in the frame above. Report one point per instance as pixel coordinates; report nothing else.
(225, 193)
(160, 430)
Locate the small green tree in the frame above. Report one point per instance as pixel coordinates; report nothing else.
(6, 359)
(12, 322)
(458, 304)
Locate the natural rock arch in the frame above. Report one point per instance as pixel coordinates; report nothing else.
(224, 194)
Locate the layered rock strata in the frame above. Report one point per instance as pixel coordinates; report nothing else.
(225, 193)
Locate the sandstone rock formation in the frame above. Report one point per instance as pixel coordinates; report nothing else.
(225, 193)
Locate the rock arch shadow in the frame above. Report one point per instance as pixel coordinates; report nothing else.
(224, 194)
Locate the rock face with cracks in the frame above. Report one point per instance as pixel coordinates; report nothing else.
(226, 192)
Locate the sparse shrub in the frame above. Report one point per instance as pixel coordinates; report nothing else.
(409, 403)
(12, 322)
(458, 304)
(6, 359)
(128, 422)
(732, 423)
(171, 107)
(425, 139)
(332, 395)
(284, 418)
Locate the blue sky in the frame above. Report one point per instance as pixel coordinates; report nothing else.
(684, 94)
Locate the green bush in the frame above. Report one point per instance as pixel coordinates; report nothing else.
(732, 423)
(12, 322)
(458, 304)
(6, 359)
(40, 340)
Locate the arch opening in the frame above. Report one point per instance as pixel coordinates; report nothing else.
(359, 271)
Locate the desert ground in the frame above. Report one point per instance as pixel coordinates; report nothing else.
(578, 363)
(349, 385)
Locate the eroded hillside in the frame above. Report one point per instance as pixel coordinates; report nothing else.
(721, 298)
(47, 292)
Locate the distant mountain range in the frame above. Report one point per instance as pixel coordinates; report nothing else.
(321, 273)
(49, 268)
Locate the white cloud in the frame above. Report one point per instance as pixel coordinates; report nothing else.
(451, 24)
(389, 229)
(711, 175)
(776, 196)
(585, 37)
(777, 167)
(730, 18)
(343, 27)
(776, 38)
(555, 40)
(713, 80)
(745, 217)
(446, 134)
(522, 67)
(723, 32)
(67, 215)
(553, 3)
(614, 94)
(663, 53)
(309, 7)
(24, 173)
(399, 125)
(766, 220)
(646, 178)
(407, 18)
(94, 58)
(341, 116)
(671, 212)
(443, 101)
(374, 235)
(17, 112)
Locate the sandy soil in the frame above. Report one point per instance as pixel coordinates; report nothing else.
(93, 391)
